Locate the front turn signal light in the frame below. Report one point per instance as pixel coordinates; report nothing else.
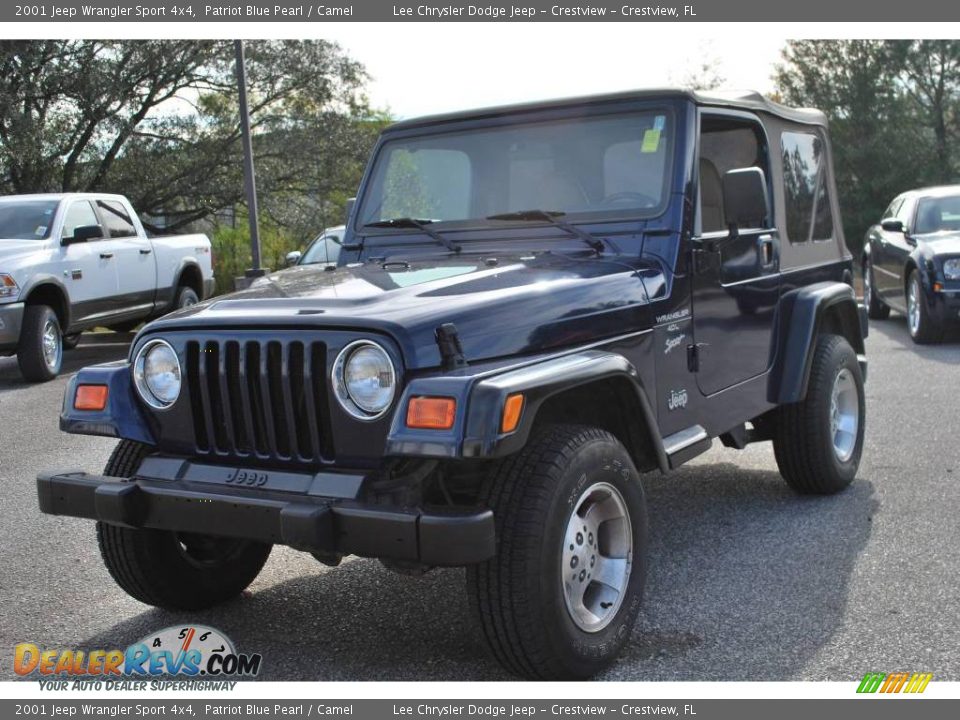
(512, 410)
(90, 397)
(431, 413)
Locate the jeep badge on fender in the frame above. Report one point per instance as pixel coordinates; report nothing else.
(532, 306)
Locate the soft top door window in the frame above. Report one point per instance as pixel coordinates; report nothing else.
(809, 215)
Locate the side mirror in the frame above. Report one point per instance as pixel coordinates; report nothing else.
(348, 209)
(893, 225)
(83, 233)
(745, 200)
(293, 257)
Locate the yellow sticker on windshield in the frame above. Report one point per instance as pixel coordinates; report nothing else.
(651, 141)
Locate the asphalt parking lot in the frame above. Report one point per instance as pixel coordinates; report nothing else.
(747, 581)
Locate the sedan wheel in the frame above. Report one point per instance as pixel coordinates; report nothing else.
(913, 306)
(923, 327)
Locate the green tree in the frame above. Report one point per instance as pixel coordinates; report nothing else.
(158, 121)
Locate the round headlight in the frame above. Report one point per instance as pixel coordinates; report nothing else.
(156, 373)
(951, 269)
(364, 380)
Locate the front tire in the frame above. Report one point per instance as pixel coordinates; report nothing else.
(559, 599)
(876, 310)
(923, 328)
(819, 440)
(40, 352)
(175, 571)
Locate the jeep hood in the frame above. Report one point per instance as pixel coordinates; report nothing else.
(501, 306)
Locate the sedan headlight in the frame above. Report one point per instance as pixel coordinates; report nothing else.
(8, 287)
(364, 380)
(951, 269)
(156, 373)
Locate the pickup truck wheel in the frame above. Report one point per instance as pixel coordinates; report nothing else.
(40, 352)
(819, 440)
(559, 599)
(185, 298)
(176, 571)
(923, 328)
(71, 341)
(876, 310)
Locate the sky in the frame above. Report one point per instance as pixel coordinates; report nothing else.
(419, 69)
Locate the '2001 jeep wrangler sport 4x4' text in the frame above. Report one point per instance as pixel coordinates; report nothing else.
(532, 306)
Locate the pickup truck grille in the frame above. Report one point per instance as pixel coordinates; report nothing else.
(263, 399)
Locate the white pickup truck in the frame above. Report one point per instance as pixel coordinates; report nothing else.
(70, 262)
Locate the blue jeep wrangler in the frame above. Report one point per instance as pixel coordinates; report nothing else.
(532, 307)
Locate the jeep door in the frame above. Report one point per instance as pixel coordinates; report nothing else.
(736, 282)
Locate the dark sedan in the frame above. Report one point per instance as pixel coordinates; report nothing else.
(911, 262)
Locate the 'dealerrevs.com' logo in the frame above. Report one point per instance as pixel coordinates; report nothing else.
(899, 682)
(193, 652)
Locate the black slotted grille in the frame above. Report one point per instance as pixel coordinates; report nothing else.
(263, 399)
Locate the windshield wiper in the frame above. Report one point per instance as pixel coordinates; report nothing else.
(422, 225)
(550, 216)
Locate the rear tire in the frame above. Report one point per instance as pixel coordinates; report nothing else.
(876, 310)
(71, 341)
(185, 297)
(40, 352)
(175, 571)
(923, 328)
(819, 440)
(543, 612)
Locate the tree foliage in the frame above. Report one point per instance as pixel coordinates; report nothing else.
(893, 110)
(159, 122)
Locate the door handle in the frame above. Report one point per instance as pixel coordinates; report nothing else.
(145, 251)
(765, 254)
(106, 255)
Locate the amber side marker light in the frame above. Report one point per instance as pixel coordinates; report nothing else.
(90, 397)
(431, 413)
(512, 410)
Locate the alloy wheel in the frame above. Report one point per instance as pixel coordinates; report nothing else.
(597, 556)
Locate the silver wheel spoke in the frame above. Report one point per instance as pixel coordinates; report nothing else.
(602, 511)
(611, 571)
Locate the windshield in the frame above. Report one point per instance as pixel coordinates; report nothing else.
(583, 168)
(937, 214)
(26, 219)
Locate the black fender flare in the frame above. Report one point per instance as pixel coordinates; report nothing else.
(802, 314)
(41, 279)
(480, 401)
